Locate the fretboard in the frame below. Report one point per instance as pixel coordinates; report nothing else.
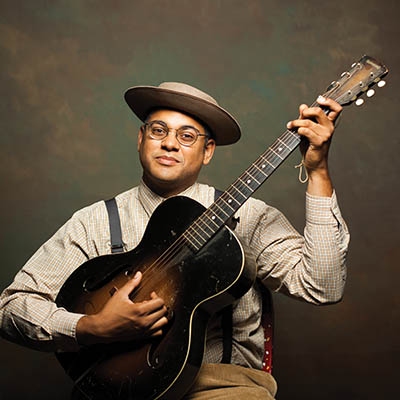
(209, 223)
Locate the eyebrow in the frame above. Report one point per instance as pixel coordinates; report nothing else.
(166, 125)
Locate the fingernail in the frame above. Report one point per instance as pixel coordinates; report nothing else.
(137, 275)
(321, 98)
(288, 125)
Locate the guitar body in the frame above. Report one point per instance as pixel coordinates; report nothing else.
(193, 284)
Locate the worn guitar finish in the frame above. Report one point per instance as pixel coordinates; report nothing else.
(194, 284)
(194, 262)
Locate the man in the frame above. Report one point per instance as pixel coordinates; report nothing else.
(182, 127)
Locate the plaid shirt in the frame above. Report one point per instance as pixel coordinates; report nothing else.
(309, 267)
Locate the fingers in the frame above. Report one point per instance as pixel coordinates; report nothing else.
(131, 285)
(157, 328)
(324, 115)
(334, 108)
(328, 111)
(153, 306)
(317, 123)
(151, 317)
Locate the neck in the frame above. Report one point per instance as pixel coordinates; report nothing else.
(165, 189)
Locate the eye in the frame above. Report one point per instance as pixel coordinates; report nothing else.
(187, 135)
(158, 130)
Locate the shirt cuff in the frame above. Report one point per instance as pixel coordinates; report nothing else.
(322, 210)
(65, 336)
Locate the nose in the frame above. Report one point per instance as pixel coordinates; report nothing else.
(170, 141)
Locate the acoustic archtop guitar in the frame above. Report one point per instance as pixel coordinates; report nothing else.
(194, 262)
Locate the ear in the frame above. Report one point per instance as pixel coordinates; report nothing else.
(209, 151)
(140, 138)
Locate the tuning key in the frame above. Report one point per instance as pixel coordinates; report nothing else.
(381, 83)
(370, 92)
(359, 102)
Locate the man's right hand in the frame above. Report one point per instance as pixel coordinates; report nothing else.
(123, 320)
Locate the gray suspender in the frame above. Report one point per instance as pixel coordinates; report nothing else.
(117, 246)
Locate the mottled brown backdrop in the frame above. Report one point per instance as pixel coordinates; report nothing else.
(68, 139)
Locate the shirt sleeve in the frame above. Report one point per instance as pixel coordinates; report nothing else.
(28, 313)
(310, 267)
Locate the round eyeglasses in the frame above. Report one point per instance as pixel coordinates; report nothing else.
(186, 135)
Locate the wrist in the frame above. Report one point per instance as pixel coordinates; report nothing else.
(319, 182)
(87, 331)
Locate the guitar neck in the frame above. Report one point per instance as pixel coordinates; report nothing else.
(199, 233)
(346, 90)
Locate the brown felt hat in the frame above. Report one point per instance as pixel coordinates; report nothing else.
(189, 100)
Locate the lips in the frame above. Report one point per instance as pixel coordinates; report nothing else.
(167, 160)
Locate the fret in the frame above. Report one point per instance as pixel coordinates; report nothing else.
(250, 182)
(202, 225)
(278, 148)
(275, 153)
(243, 189)
(294, 135)
(267, 161)
(240, 192)
(252, 178)
(260, 170)
(245, 184)
(192, 238)
(213, 221)
(195, 240)
(227, 214)
(281, 141)
(230, 200)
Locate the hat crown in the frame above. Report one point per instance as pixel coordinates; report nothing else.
(187, 90)
(186, 99)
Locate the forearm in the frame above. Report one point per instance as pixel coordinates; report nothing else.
(320, 275)
(319, 183)
(33, 321)
(28, 313)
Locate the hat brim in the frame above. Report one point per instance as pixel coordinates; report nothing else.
(143, 99)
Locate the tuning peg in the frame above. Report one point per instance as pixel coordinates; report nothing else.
(370, 92)
(359, 102)
(381, 83)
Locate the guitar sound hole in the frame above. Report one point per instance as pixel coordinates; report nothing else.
(96, 282)
(153, 357)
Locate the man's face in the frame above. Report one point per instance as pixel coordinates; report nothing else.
(168, 166)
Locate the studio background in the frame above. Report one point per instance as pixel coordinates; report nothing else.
(68, 139)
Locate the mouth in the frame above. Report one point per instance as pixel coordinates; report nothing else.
(167, 160)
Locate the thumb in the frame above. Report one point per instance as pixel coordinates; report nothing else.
(131, 284)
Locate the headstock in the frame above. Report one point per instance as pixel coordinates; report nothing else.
(358, 80)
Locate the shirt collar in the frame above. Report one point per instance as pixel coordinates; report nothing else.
(150, 200)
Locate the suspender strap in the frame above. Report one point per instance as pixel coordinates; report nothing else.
(267, 319)
(226, 321)
(117, 245)
(227, 334)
